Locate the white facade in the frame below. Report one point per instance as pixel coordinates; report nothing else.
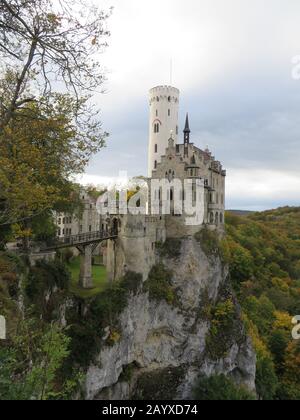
(89, 221)
(164, 107)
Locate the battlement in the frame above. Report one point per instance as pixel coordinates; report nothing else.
(164, 89)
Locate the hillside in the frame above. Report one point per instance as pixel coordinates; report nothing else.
(264, 256)
(184, 316)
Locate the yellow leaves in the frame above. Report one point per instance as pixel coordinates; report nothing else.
(283, 321)
(280, 284)
(130, 194)
(258, 344)
(20, 231)
(114, 337)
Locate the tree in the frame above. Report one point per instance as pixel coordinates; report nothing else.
(28, 367)
(241, 263)
(38, 156)
(266, 379)
(47, 41)
(47, 136)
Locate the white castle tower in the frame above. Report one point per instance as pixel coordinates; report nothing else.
(164, 105)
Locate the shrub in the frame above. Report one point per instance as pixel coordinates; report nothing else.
(45, 276)
(159, 284)
(220, 388)
(132, 281)
(225, 329)
(209, 242)
(127, 373)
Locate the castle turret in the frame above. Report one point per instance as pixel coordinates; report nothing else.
(164, 105)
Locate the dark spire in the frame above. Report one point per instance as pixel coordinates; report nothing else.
(186, 132)
(187, 125)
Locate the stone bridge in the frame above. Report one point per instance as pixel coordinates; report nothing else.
(86, 243)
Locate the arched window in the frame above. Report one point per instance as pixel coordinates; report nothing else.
(155, 148)
(169, 112)
(157, 128)
(217, 218)
(155, 164)
(169, 99)
(221, 218)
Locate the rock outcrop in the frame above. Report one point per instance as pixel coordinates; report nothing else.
(164, 347)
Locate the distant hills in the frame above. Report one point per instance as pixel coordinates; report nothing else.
(240, 212)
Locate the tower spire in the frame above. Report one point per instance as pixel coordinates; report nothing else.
(187, 125)
(186, 132)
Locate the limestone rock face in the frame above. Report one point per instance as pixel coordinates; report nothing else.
(162, 340)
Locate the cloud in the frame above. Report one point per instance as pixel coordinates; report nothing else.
(232, 63)
(260, 187)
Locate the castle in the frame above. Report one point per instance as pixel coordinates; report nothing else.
(169, 160)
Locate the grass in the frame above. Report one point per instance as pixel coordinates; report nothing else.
(99, 277)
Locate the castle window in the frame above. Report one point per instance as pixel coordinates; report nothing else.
(156, 113)
(155, 148)
(217, 218)
(169, 99)
(211, 218)
(169, 112)
(157, 98)
(155, 164)
(59, 232)
(156, 128)
(221, 218)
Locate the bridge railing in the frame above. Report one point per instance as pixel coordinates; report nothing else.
(82, 238)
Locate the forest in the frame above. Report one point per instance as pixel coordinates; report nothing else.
(263, 252)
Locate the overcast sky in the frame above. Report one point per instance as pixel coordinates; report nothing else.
(232, 61)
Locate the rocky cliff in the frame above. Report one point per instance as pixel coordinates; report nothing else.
(167, 340)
